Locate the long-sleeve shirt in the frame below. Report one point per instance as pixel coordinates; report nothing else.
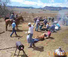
(31, 29)
(37, 22)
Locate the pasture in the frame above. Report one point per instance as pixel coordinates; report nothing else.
(43, 48)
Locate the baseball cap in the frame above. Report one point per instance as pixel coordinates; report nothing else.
(29, 24)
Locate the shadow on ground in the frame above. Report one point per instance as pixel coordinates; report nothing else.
(18, 30)
(19, 37)
(20, 55)
(7, 48)
(24, 54)
(2, 32)
(41, 49)
(50, 38)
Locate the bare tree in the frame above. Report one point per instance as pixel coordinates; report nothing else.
(3, 8)
(2, 2)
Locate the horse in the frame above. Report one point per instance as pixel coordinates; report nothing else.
(17, 21)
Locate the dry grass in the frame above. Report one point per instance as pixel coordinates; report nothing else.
(43, 48)
(48, 45)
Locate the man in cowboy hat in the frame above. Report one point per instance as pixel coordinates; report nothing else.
(31, 33)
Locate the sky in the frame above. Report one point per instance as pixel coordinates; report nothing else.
(39, 3)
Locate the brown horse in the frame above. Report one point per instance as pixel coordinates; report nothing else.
(17, 21)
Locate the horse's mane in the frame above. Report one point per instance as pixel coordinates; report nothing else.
(20, 17)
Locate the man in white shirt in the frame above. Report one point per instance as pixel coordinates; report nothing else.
(30, 28)
(31, 34)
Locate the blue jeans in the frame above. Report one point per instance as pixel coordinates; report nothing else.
(34, 23)
(13, 30)
(36, 27)
(31, 40)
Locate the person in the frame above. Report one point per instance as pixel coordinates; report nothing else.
(59, 18)
(53, 19)
(47, 26)
(13, 28)
(38, 38)
(52, 28)
(49, 18)
(31, 33)
(37, 24)
(55, 22)
(59, 53)
(57, 27)
(48, 33)
(45, 21)
(35, 20)
(41, 25)
(12, 16)
(44, 35)
(30, 40)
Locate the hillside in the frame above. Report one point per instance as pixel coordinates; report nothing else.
(55, 8)
(44, 8)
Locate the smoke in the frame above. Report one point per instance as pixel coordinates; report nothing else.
(63, 17)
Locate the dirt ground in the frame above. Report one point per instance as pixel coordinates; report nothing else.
(43, 48)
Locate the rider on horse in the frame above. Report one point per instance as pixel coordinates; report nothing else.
(12, 16)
